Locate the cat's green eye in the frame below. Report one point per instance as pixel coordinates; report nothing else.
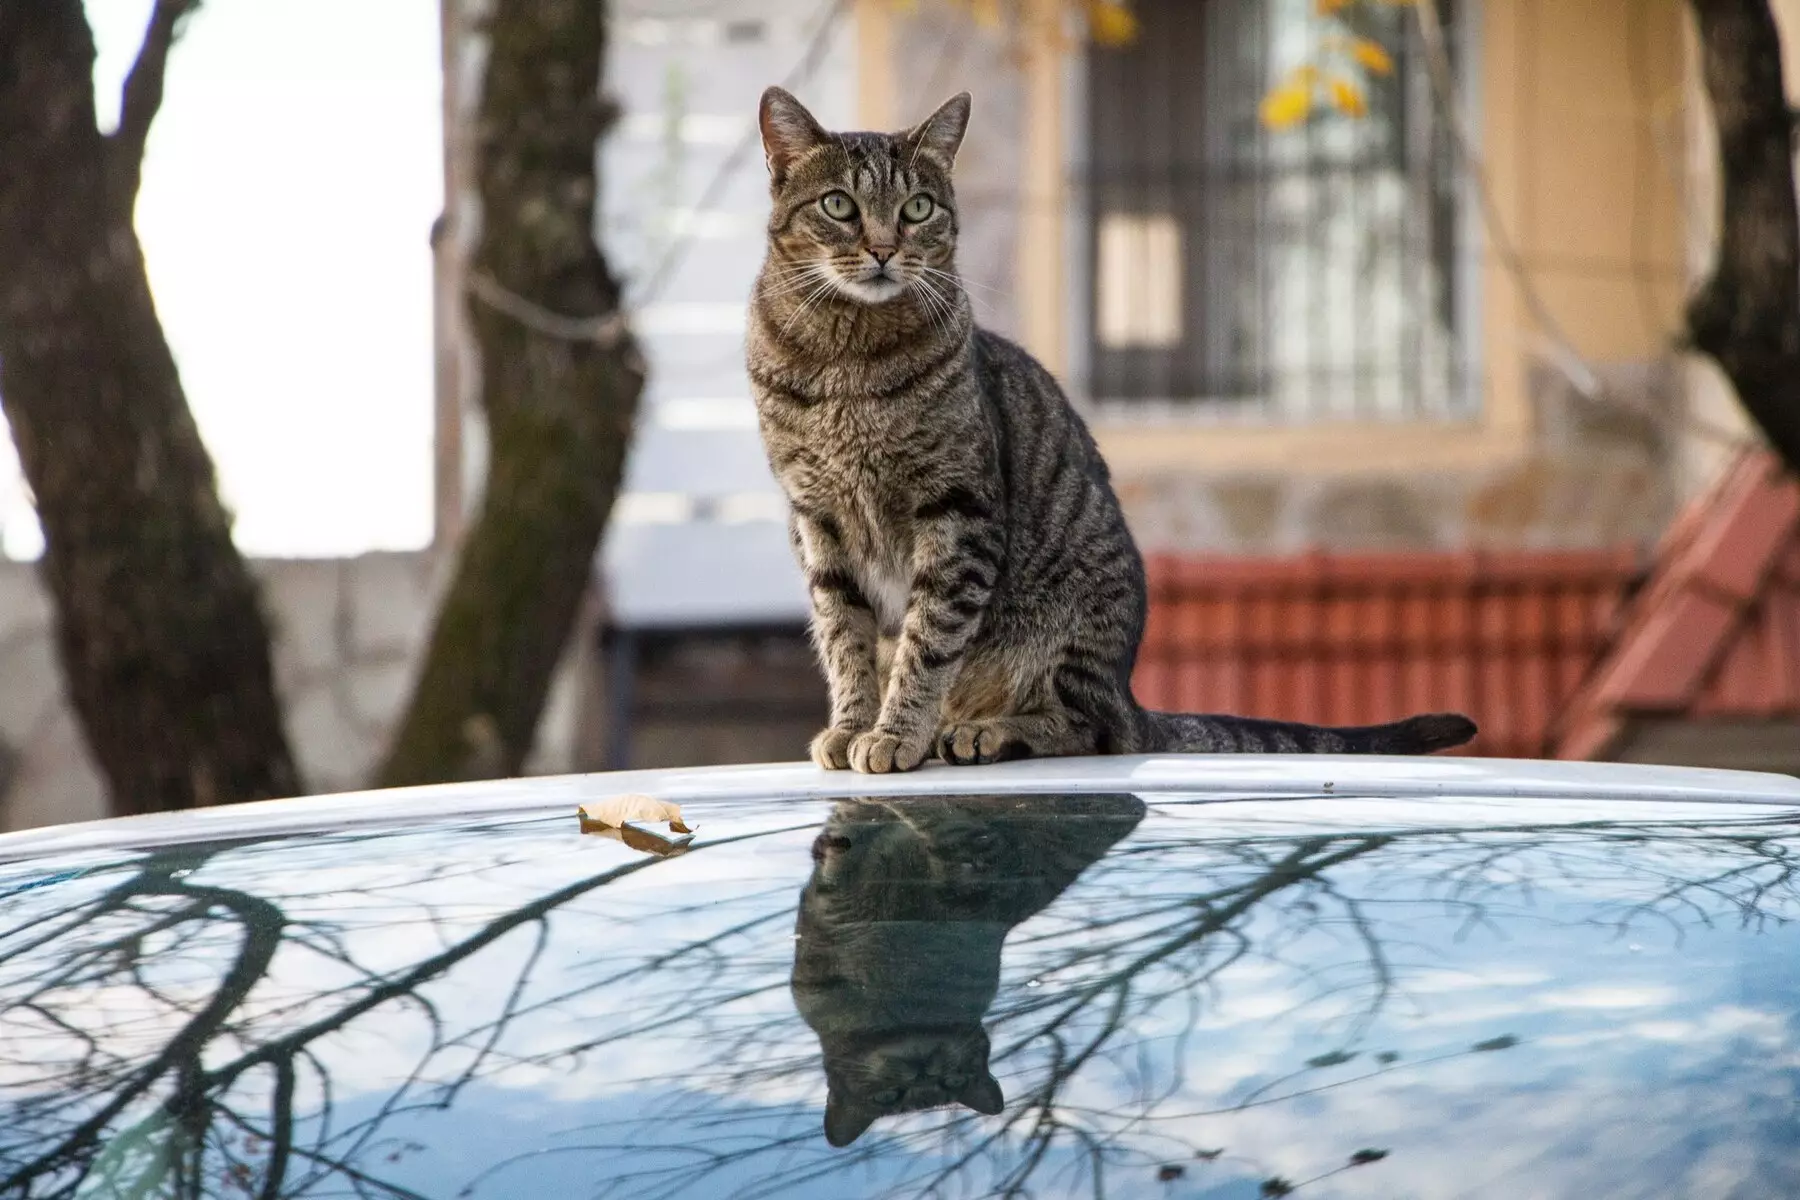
(838, 206)
(918, 208)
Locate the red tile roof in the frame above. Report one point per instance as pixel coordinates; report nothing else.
(1715, 632)
(1357, 639)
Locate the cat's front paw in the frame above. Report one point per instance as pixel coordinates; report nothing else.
(973, 742)
(879, 752)
(831, 748)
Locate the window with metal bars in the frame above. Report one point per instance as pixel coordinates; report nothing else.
(1310, 273)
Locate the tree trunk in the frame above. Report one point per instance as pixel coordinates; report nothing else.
(560, 384)
(163, 646)
(1747, 315)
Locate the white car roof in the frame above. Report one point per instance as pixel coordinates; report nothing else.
(1193, 776)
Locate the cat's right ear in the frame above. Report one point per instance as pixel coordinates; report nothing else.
(845, 1119)
(941, 133)
(788, 132)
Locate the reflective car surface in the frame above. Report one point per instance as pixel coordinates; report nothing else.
(1124, 978)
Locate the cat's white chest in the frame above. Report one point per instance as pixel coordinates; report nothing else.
(887, 585)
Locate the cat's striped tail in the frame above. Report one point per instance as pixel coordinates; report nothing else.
(1200, 733)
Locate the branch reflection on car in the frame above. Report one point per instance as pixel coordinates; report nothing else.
(267, 1018)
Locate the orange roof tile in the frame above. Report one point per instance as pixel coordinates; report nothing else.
(1350, 639)
(1715, 631)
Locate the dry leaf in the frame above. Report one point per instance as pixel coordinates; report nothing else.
(1111, 23)
(1371, 55)
(1348, 97)
(639, 838)
(624, 816)
(651, 842)
(614, 811)
(1287, 105)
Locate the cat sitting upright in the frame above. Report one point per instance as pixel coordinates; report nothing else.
(975, 592)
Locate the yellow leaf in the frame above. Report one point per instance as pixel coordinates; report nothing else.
(1371, 55)
(621, 818)
(986, 12)
(614, 811)
(1110, 23)
(1327, 7)
(1348, 97)
(650, 842)
(1287, 105)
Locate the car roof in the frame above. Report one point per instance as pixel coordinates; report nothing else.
(1236, 972)
(1221, 777)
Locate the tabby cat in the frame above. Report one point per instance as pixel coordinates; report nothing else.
(975, 592)
(900, 931)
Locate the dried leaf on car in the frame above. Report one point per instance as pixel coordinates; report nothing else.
(627, 817)
(614, 811)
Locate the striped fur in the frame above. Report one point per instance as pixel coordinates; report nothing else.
(975, 592)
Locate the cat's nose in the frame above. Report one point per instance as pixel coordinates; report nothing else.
(881, 254)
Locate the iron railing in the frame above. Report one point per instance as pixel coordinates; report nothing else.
(1315, 272)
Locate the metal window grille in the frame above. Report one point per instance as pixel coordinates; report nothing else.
(1303, 274)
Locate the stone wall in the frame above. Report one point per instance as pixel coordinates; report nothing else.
(347, 633)
(1595, 474)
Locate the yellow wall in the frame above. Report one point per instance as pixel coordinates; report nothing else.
(1581, 106)
(1579, 125)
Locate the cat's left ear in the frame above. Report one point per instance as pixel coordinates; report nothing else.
(941, 134)
(788, 131)
(845, 1119)
(983, 1095)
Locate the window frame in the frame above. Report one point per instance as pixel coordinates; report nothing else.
(1463, 409)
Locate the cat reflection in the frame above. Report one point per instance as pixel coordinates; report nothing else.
(900, 931)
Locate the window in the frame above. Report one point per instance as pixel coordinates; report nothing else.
(1310, 273)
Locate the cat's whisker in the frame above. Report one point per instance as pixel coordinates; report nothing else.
(789, 270)
(947, 307)
(806, 278)
(952, 275)
(782, 293)
(787, 289)
(943, 312)
(794, 271)
(799, 311)
(811, 299)
(999, 292)
(928, 301)
(788, 280)
(956, 282)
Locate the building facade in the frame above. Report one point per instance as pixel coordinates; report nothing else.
(1446, 324)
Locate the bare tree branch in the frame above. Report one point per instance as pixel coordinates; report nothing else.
(143, 92)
